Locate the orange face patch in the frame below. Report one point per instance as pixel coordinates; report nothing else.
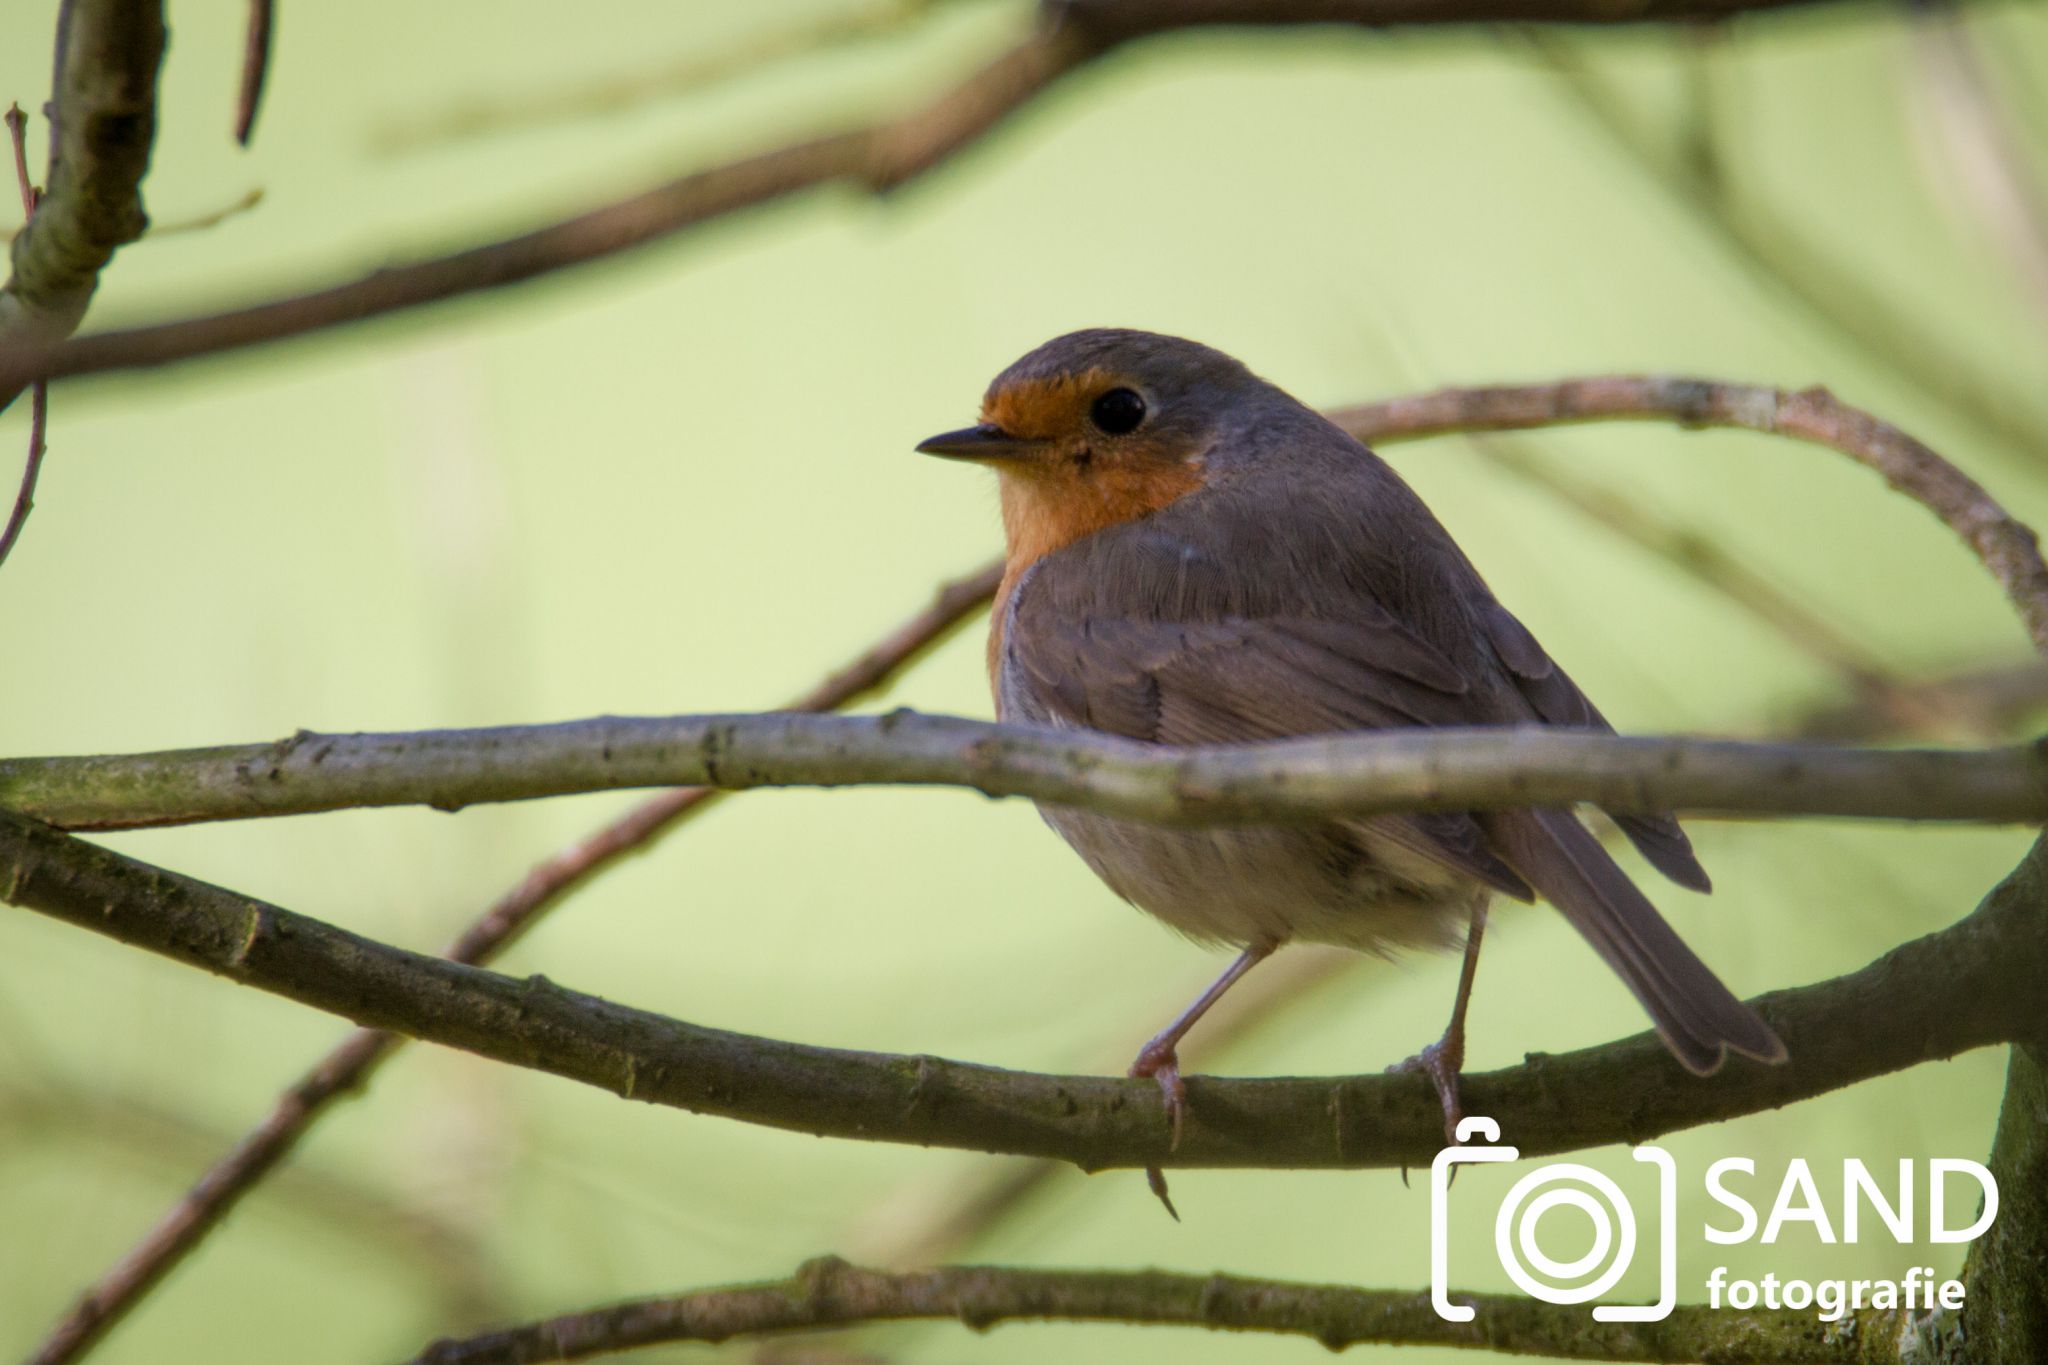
(1041, 409)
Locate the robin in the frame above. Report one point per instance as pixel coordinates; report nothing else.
(1194, 557)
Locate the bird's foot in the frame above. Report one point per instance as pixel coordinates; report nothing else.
(1162, 1064)
(1441, 1061)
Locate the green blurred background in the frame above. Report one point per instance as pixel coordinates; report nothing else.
(682, 481)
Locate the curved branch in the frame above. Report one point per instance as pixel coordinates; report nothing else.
(1313, 778)
(828, 1292)
(1972, 985)
(103, 121)
(879, 158)
(2006, 547)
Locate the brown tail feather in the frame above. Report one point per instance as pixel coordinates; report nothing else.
(1695, 1015)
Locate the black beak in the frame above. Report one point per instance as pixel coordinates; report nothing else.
(980, 443)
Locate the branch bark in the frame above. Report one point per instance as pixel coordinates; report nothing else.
(1283, 781)
(103, 122)
(881, 157)
(828, 1292)
(1972, 985)
(2005, 1317)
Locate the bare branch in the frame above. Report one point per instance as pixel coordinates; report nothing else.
(880, 157)
(1972, 985)
(31, 467)
(255, 68)
(2006, 547)
(2005, 1316)
(346, 1070)
(1284, 781)
(103, 120)
(828, 1292)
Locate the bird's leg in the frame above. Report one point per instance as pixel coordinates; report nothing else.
(1160, 1058)
(1442, 1060)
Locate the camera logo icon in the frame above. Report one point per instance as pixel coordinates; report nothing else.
(1559, 1184)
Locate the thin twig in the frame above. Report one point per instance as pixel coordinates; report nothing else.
(346, 1071)
(1972, 985)
(17, 135)
(255, 68)
(31, 469)
(212, 218)
(829, 1292)
(880, 157)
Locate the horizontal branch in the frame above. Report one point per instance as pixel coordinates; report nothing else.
(1296, 780)
(828, 1292)
(1972, 985)
(880, 157)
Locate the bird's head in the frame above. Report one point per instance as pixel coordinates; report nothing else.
(1096, 428)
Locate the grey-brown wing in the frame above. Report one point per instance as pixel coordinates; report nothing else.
(1235, 680)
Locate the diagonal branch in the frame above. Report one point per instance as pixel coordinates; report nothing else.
(828, 1292)
(1972, 985)
(348, 1067)
(881, 157)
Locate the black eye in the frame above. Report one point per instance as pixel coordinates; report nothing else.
(1118, 411)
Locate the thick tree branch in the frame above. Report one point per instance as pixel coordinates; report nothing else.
(103, 121)
(1284, 781)
(879, 157)
(1972, 985)
(2005, 1318)
(347, 1069)
(828, 1292)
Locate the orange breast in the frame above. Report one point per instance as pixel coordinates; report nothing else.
(1047, 508)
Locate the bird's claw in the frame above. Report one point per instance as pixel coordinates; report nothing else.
(1162, 1064)
(1441, 1061)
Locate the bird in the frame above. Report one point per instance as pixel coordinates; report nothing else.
(1194, 557)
